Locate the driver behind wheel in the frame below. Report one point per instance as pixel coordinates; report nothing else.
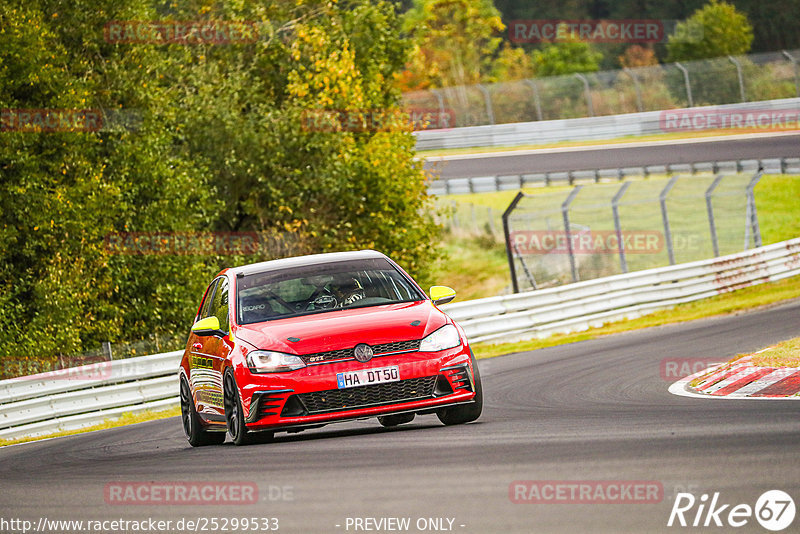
(346, 289)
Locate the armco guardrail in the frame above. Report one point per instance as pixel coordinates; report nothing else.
(70, 399)
(583, 304)
(514, 182)
(42, 404)
(589, 128)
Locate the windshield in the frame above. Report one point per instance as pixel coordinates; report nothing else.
(321, 288)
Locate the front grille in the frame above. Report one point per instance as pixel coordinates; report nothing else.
(341, 354)
(337, 400)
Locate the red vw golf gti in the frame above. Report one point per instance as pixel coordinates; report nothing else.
(298, 343)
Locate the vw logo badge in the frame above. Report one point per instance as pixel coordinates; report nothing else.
(363, 352)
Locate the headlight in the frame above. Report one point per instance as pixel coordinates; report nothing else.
(267, 361)
(444, 338)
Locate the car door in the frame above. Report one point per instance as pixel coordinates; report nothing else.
(210, 352)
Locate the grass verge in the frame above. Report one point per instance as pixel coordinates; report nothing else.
(744, 299)
(477, 268)
(124, 420)
(784, 354)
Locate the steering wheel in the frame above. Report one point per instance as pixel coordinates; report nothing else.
(323, 302)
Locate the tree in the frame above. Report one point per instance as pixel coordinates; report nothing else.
(716, 30)
(455, 42)
(638, 56)
(221, 143)
(567, 56)
(512, 63)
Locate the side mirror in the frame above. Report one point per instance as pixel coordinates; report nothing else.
(207, 327)
(442, 294)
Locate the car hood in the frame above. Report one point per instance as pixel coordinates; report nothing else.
(345, 328)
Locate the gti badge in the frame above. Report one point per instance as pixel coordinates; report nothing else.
(363, 352)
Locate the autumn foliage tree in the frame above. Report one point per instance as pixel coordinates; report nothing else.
(224, 140)
(454, 42)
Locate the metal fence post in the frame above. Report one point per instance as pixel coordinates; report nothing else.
(474, 216)
(615, 211)
(509, 246)
(636, 87)
(525, 269)
(751, 222)
(440, 98)
(490, 215)
(488, 99)
(796, 74)
(662, 199)
(588, 92)
(565, 216)
(687, 83)
(710, 209)
(739, 74)
(536, 100)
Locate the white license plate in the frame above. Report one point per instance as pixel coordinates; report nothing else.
(365, 377)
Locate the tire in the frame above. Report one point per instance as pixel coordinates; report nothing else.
(394, 420)
(234, 416)
(192, 426)
(465, 413)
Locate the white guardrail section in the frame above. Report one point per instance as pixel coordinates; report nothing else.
(590, 303)
(88, 395)
(588, 128)
(78, 397)
(514, 182)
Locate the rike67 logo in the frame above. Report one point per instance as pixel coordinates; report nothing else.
(774, 510)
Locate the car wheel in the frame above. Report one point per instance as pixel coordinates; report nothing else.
(394, 420)
(234, 416)
(465, 413)
(192, 427)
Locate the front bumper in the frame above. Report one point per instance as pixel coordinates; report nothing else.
(310, 396)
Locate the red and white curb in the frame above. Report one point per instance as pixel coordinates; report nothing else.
(741, 380)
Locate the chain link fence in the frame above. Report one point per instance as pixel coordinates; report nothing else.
(596, 230)
(726, 80)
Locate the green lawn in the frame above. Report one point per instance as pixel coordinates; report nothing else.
(476, 265)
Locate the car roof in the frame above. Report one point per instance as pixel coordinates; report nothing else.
(303, 261)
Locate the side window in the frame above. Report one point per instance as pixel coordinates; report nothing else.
(206, 305)
(219, 306)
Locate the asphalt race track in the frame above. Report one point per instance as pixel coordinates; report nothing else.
(614, 156)
(595, 410)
